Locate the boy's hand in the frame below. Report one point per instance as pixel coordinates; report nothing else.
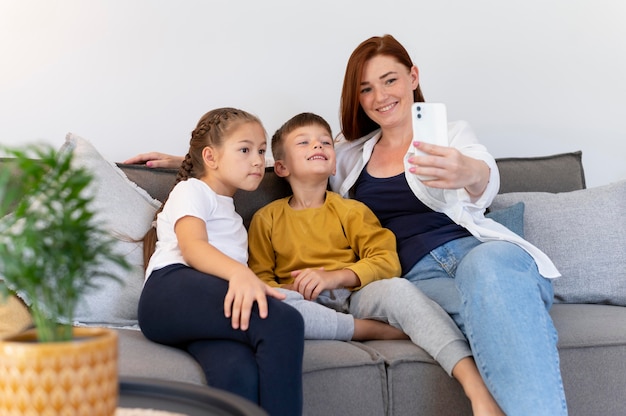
(311, 282)
(243, 290)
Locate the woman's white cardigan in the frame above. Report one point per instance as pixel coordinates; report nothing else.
(455, 203)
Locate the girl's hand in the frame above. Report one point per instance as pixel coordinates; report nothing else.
(244, 289)
(450, 169)
(156, 160)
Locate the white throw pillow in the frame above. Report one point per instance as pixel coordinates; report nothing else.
(127, 212)
(584, 233)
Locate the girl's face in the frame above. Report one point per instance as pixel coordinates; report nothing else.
(386, 91)
(239, 163)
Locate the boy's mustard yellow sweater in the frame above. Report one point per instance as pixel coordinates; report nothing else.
(343, 233)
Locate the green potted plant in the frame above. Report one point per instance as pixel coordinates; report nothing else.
(51, 249)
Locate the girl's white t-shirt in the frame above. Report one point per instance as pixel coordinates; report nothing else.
(224, 225)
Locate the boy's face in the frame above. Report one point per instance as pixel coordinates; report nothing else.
(309, 151)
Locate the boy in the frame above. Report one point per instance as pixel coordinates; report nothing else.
(351, 259)
(322, 249)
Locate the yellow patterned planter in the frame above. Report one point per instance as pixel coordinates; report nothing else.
(78, 377)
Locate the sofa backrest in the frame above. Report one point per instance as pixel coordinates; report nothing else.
(158, 182)
(556, 173)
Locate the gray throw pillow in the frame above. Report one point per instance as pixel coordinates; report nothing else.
(583, 232)
(127, 212)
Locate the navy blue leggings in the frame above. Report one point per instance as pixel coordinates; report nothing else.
(184, 308)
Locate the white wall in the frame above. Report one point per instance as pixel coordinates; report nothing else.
(533, 77)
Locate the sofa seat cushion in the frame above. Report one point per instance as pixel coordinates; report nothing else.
(140, 357)
(590, 326)
(592, 349)
(416, 382)
(341, 378)
(357, 375)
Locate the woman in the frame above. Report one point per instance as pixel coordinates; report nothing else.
(494, 284)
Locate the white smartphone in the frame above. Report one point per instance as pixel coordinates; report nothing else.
(430, 124)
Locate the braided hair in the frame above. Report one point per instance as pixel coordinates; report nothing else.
(212, 130)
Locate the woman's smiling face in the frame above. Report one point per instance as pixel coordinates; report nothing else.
(386, 91)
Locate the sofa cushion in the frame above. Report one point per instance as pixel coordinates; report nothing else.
(561, 172)
(127, 212)
(577, 325)
(272, 187)
(140, 357)
(415, 381)
(158, 182)
(583, 233)
(357, 374)
(511, 217)
(555, 173)
(592, 351)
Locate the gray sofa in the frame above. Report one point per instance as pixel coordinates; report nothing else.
(581, 229)
(399, 378)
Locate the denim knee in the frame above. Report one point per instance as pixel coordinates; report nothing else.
(492, 259)
(503, 270)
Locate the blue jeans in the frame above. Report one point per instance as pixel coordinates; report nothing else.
(497, 297)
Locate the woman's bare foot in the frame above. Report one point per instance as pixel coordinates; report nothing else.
(367, 329)
(483, 403)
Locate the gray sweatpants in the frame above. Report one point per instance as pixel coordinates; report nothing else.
(395, 301)
(325, 318)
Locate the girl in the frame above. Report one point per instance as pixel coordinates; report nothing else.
(199, 294)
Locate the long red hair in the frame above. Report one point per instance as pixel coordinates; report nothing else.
(354, 122)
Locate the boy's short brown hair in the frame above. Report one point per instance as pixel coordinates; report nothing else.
(297, 121)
